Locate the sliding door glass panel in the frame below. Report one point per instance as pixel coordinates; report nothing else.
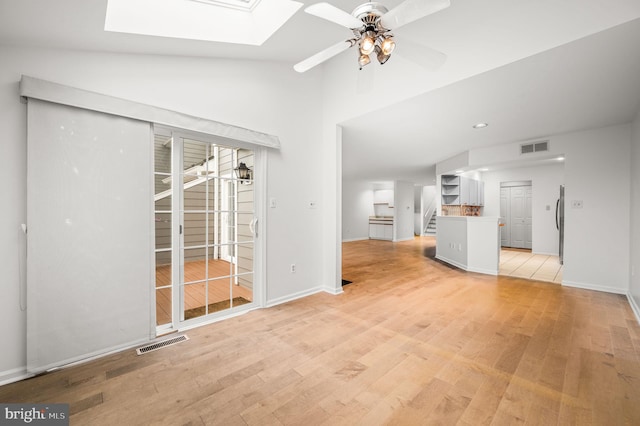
(219, 295)
(162, 155)
(195, 300)
(241, 292)
(195, 266)
(163, 305)
(213, 227)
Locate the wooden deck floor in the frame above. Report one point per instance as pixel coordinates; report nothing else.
(196, 295)
(411, 341)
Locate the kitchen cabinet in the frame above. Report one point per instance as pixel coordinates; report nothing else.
(460, 190)
(381, 228)
(450, 190)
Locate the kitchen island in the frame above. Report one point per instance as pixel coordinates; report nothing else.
(471, 243)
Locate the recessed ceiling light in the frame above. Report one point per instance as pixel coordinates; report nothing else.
(459, 171)
(561, 158)
(480, 125)
(484, 169)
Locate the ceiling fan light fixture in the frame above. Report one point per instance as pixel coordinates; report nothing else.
(367, 44)
(371, 24)
(363, 60)
(388, 45)
(381, 56)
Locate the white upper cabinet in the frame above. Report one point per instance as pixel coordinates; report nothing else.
(460, 190)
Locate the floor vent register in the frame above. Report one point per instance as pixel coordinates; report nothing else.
(162, 344)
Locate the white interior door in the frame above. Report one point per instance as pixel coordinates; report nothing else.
(518, 215)
(516, 211)
(505, 231)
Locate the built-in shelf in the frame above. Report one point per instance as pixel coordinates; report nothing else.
(460, 191)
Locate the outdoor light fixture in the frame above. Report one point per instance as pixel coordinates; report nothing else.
(244, 173)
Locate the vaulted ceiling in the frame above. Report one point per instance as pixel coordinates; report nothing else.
(529, 69)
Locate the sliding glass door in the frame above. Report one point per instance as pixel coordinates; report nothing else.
(205, 239)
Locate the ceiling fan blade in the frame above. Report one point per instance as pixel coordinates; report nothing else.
(411, 10)
(333, 14)
(424, 56)
(322, 56)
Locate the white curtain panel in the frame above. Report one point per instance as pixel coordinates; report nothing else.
(89, 255)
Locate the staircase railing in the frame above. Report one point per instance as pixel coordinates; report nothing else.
(428, 213)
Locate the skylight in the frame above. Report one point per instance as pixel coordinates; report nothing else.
(246, 5)
(249, 22)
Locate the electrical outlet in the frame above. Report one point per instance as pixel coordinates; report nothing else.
(312, 204)
(272, 203)
(576, 204)
(293, 268)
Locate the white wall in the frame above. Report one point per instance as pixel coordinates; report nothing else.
(597, 171)
(634, 284)
(383, 196)
(262, 96)
(545, 184)
(357, 206)
(403, 206)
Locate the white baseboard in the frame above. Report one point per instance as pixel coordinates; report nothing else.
(542, 253)
(301, 294)
(333, 291)
(404, 239)
(82, 359)
(450, 261)
(348, 240)
(595, 287)
(634, 306)
(482, 270)
(467, 268)
(14, 375)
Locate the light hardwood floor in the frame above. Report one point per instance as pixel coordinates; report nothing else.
(411, 341)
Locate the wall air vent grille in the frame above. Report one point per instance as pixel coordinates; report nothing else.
(529, 148)
(162, 344)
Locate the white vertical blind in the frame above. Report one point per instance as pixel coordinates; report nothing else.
(89, 204)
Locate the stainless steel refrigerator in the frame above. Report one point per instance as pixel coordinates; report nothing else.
(560, 223)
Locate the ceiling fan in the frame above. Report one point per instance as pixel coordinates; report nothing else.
(371, 24)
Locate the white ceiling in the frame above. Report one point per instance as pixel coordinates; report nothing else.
(564, 66)
(589, 83)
